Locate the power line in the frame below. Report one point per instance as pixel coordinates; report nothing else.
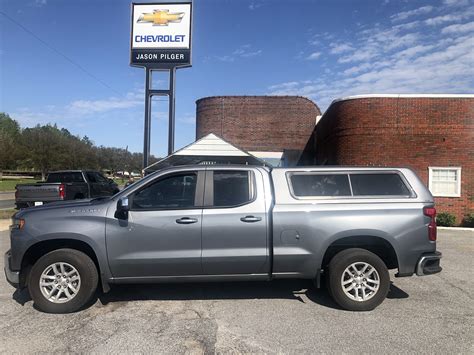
(77, 65)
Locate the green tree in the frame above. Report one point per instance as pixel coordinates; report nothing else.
(44, 147)
(9, 136)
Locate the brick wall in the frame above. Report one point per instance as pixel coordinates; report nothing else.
(413, 132)
(258, 123)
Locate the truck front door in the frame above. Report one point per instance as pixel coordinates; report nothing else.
(234, 223)
(162, 235)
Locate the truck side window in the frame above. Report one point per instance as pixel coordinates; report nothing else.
(170, 192)
(232, 187)
(91, 177)
(77, 177)
(320, 185)
(378, 185)
(100, 178)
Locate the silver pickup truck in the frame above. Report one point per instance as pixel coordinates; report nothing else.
(214, 223)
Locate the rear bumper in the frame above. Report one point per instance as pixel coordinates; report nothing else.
(13, 277)
(428, 264)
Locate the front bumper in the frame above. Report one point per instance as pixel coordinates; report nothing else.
(428, 264)
(13, 277)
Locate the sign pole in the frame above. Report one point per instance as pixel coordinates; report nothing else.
(160, 39)
(147, 130)
(171, 111)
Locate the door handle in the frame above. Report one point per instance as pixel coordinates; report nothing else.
(250, 219)
(186, 220)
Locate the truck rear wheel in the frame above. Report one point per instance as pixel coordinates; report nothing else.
(62, 281)
(358, 279)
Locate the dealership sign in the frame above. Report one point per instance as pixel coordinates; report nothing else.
(161, 35)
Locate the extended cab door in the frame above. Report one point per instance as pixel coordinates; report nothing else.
(162, 234)
(234, 223)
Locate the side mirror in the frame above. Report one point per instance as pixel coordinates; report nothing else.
(122, 208)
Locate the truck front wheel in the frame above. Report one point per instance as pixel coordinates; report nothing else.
(358, 279)
(62, 281)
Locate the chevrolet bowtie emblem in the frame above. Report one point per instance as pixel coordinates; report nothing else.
(161, 17)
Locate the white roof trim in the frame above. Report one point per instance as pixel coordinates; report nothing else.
(368, 96)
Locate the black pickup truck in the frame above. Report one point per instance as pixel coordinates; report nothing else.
(65, 185)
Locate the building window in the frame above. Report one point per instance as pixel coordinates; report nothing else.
(445, 182)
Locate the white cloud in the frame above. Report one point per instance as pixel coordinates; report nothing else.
(357, 69)
(459, 28)
(78, 110)
(41, 3)
(407, 58)
(337, 48)
(92, 106)
(358, 56)
(416, 12)
(244, 51)
(285, 86)
(187, 119)
(413, 51)
(314, 56)
(461, 15)
(456, 2)
(407, 26)
(255, 5)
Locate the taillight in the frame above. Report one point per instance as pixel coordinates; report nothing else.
(62, 192)
(431, 212)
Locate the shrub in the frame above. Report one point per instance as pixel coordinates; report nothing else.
(468, 220)
(445, 219)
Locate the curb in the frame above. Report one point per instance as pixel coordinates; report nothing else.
(456, 228)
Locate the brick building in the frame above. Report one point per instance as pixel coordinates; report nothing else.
(273, 128)
(432, 134)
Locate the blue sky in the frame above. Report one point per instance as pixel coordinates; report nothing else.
(318, 49)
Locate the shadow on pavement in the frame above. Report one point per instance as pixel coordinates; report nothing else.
(277, 289)
(21, 296)
(396, 293)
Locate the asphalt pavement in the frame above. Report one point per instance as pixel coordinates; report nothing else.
(4, 204)
(432, 314)
(7, 200)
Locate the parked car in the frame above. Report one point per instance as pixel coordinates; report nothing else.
(215, 223)
(65, 185)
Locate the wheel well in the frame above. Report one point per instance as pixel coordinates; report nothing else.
(37, 250)
(379, 246)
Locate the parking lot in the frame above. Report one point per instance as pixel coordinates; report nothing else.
(422, 314)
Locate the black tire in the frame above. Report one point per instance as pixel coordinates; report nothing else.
(79, 197)
(338, 265)
(88, 276)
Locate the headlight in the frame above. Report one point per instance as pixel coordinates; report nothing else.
(17, 223)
